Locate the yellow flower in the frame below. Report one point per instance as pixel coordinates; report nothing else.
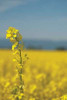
(13, 34)
(12, 39)
(21, 95)
(16, 31)
(14, 45)
(32, 88)
(7, 84)
(8, 36)
(14, 60)
(16, 52)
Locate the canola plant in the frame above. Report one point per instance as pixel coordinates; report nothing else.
(15, 37)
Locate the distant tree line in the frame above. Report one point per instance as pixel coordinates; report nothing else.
(61, 48)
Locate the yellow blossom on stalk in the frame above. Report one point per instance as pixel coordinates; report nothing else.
(14, 45)
(16, 38)
(13, 34)
(21, 95)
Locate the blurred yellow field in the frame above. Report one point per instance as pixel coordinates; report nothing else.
(45, 75)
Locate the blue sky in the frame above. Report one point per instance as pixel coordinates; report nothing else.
(36, 19)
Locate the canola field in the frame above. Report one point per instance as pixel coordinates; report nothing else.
(45, 75)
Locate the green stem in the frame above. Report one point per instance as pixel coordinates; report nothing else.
(20, 73)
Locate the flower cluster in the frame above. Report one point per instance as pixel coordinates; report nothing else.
(16, 38)
(13, 34)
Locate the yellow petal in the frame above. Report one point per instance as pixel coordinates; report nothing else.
(14, 35)
(16, 31)
(14, 60)
(16, 52)
(8, 35)
(12, 39)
